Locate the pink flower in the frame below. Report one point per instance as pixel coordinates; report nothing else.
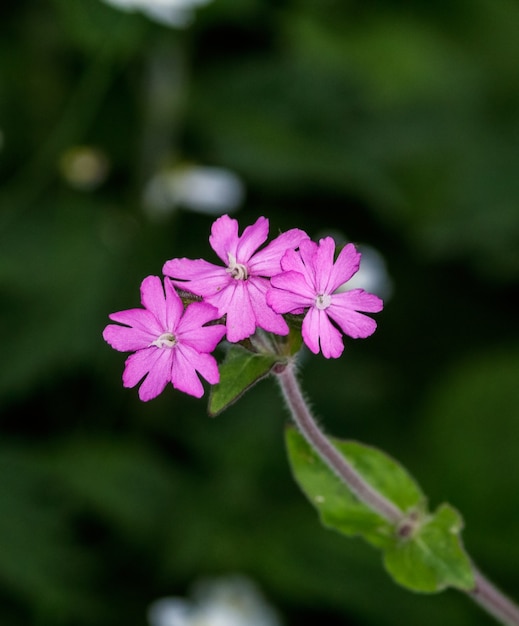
(238, 290)
(170, 344)
(310, 280)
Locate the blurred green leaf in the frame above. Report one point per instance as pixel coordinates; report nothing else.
(94, 25)
(476, 401)
(124, 482)
(39, 560)
(65, 248)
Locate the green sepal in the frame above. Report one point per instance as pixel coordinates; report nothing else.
(294, 340)
(240, 370)
(423, 552)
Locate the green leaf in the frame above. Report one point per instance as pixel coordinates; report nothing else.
(423, 552)
(240, 370)
(337, 506)
(433, 558)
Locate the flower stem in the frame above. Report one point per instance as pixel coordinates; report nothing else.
(484, 593)
(493, 601)
(328, 453)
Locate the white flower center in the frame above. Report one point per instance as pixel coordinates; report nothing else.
(237, 270)
(323, 301)
(166, 340)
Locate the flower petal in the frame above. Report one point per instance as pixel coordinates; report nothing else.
(353, 324)
(126, 339)
(183, 373)
(174, 306)
(253, 237)
(205, 364)
(196, 315)
(292, 260)
(222, 299)
(303, 262)
(197, 276)
(140, 319)
(267, 262)
(346, 265)
(310, 330)
(137, 365)
(153, 299)
(224, 237)
(289, 292)
(191, 329)
(322, 263)
(241, 321)
(265, 317)
(360, 300)
(343, 311)
(158, 376)
(318, 331)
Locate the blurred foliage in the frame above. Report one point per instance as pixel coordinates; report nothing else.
(393, 123)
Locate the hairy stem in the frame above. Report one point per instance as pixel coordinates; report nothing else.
(484, 593)
(493, 601)
(328, 453)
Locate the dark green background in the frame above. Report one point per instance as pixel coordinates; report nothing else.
(395, 123)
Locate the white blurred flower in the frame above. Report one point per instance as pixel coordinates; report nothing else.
(211, 190)
(233, 601)
(177, 13)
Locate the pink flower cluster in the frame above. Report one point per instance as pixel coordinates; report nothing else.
(254, 288)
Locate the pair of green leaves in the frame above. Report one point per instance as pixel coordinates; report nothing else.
(424, 553)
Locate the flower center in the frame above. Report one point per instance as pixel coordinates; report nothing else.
(166, 340)
(237, 270)
(323, 301)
